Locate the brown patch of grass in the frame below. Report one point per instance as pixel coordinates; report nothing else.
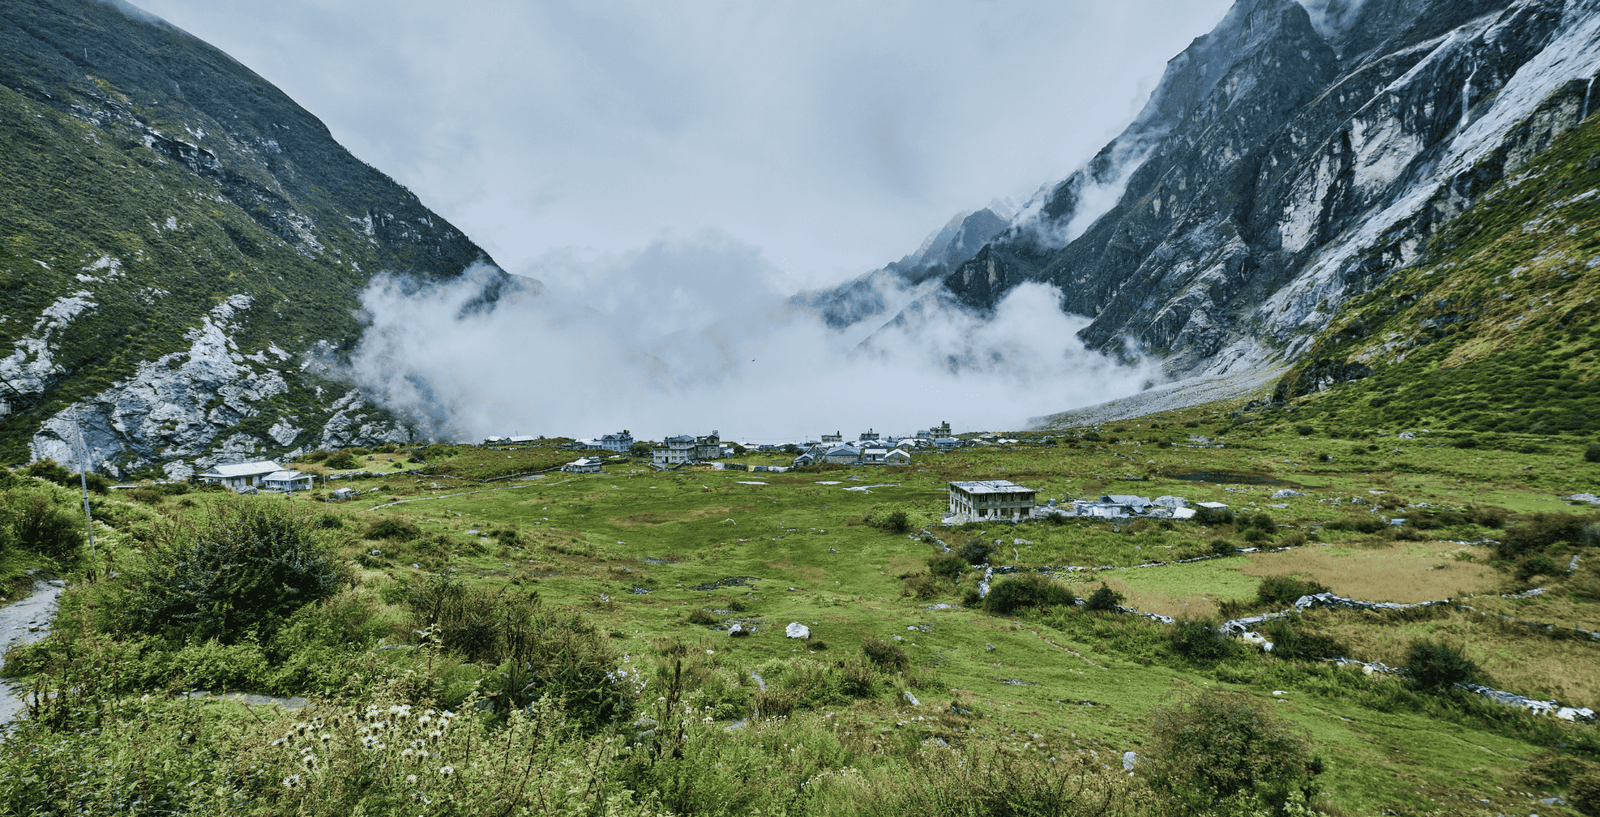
(661, 518)
(1517, 658)
(815, 575)
(901, 565)
(1151, 602)
(1405, 572)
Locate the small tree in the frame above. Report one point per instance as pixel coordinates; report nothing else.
(1436, 667)
(1592, 454)
(976, 551)
(39, 524)
(1227, 753)
(1103, 599)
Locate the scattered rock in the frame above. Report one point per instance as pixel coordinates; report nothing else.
(1130, 759)
(911, 699)
(1286, 493)
(797, 630)
(1589, 498)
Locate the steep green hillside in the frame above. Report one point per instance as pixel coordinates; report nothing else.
(1496, 329)
(147, 180)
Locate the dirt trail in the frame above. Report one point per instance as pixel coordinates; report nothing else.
(21, 623)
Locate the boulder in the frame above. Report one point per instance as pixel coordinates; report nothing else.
(797, 630)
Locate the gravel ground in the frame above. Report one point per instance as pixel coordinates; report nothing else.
(1182, 394)
(25, 622)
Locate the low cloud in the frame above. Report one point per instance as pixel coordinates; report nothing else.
(686, 336)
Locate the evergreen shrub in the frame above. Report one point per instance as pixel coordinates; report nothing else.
(1227, 753)
(240, 572)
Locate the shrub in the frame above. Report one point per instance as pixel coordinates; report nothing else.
(947, 565)
(1213, 516)
(1585, 794)
(1029, 590)
(1538, 531)
(1227, 753)
(1292, 642)
(395, 530)
(922, 586)
(342, 461)
(1221, 547)
(1304, 431)
(244, 569)
(1589, 535)
(1199, 640)
(896, 522)
(1103, 599)
(1538, 565)
(1284, 590)
(1435, 666)
(1592, 454)
(702, 616)
(50, 470)
(887, 655)
(41, 524)
(976, 551)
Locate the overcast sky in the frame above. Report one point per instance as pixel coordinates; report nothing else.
(831, 137)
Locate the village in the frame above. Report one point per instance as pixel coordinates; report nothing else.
(969, 500)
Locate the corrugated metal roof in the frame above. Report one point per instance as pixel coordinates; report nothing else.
(992, 486)
(244, 469)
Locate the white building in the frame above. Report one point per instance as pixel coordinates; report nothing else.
(619, 443)
(287, 480)
(673, 451)
(586, 465)
(897, 457)
(991, 499)
(242, 475)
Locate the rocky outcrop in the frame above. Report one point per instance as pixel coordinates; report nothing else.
(1293, 157)
(184, 288)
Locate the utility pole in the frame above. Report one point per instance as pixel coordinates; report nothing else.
(83, 479)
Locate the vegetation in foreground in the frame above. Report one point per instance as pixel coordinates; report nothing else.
(558, 643)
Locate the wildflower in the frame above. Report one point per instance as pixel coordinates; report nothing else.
(411, 780)
(292, 781)
(447, 771)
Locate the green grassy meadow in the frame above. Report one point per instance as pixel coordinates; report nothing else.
(656, 567)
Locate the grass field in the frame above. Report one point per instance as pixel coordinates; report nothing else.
(663, 563)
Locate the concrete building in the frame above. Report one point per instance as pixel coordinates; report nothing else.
(673, 451)
(835, 437)
(991, 499)
(843, 455)
(897, 457)
(619, 443)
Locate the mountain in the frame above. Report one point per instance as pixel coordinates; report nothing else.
(1294, 158)
(183, 250)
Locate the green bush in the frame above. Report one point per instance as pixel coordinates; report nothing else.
(239, 572)
(1585, 794)
(392, 529)
(1294, 643)
(896, 522)
(1228, 753)
(1103, 599)
(49, 469)
(887, 655)
(1284, 590)
(1436, 667)
(1199, 640)
(1592, 454)
(976, 551)
(1538, 531)
(41, 523)
(1221, 547)
(947, 565)
(1213, 516)
(1037, 590)
(922, 586)
(342, 461)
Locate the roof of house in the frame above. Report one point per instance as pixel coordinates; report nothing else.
(244, 469)
(681, 438)
(285, 476)
(992, 486)
(846, 450)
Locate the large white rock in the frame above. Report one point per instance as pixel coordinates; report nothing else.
(797, 630)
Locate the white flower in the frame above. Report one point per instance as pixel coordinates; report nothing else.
(447, 770)
(292, 781)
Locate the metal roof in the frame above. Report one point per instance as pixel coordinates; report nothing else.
(992, 486)
(244, 469)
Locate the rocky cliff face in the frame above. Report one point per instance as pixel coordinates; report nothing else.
(1298, 154)
(185, 246)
